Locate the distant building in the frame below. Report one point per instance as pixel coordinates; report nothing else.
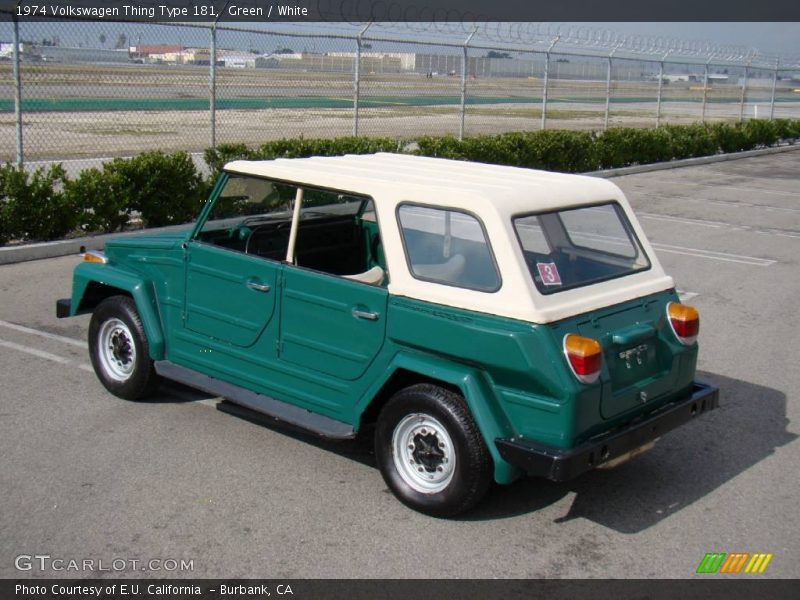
(59, 54)
(27, 51)
(144, 52)
(237, 59)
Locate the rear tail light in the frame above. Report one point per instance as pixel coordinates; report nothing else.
(685, 322)
(584, 356)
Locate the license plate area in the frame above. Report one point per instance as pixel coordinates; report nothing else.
(630, 455)
(629, 365)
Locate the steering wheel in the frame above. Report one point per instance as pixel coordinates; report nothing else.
(280, 231)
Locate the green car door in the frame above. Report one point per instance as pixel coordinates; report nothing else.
(329, 324)
(230, 296)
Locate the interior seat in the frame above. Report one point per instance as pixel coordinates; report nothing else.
(373, 277)
(449, 271)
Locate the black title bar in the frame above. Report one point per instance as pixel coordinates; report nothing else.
(174, 11)
(707, 588)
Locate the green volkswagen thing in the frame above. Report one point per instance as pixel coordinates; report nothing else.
(483, 323)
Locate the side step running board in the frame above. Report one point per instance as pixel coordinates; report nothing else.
(316, 423)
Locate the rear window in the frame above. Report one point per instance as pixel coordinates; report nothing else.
(580, 246)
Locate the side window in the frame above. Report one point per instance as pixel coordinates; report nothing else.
(330, 236)
(251, 215)
(336, 232)
(447, 246)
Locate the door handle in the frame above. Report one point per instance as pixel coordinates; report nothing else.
(259, 287)
(365, 314)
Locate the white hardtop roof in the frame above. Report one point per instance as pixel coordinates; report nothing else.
(494, 193)
(508, 189)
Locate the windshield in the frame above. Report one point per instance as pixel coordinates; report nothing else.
(580, 246)
(250, 201)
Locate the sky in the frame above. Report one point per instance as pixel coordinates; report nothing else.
(770, 38)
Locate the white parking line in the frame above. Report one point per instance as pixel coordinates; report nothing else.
(718, 225)
(725, 203)
(44, 334)
(36, 352)
(723, 256)
(732, 204)
(683, 220)
(717, 185)
(698, 252)
(212, 402)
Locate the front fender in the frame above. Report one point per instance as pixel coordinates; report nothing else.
(141, 290)
(477, 392)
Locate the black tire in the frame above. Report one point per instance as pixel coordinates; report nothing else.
(418, 420)
(122, 364)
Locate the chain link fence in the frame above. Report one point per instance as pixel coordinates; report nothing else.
(93, 90)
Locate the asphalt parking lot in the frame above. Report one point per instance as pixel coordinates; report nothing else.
(86, 475)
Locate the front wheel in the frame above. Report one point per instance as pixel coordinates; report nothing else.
(430, 451)
(119, 350)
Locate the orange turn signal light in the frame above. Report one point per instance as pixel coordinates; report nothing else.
(584, 356)
(93, 256)
(685, 322)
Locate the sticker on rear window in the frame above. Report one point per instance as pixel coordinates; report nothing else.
(549, 273)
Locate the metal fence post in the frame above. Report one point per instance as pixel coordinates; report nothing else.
(660, 88)
(547, 79)
(357, 78)
(608, 86)
(212, 87)
(705, 93)
(356, 85)
(17, 94)
(744, 91)
(774, 85)
(464, 84)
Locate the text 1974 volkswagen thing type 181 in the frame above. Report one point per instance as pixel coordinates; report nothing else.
(485, 322)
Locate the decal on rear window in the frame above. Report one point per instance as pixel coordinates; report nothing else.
(548, 273)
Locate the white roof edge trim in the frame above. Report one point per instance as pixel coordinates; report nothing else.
(377, 174)
(539, 316)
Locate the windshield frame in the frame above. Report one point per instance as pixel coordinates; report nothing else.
(624, 221)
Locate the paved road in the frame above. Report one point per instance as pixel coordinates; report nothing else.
(85, 475)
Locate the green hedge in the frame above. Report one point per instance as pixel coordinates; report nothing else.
(162, 189)
(576, 151)
(555, 150)
(34, 206)
(166, 189)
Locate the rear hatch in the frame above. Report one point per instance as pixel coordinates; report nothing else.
(642, 365)
(576, 248)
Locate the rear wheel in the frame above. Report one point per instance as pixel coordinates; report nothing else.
(119, 350)
(430, 451)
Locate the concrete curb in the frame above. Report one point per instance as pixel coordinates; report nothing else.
(26, 252)
(690, 162)
(16, 254)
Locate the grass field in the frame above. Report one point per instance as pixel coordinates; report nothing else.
(77, 111)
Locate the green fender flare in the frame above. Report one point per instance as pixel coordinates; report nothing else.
(140, 289)
(477, 391)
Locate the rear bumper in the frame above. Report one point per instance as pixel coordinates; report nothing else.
(559, 464)
(63, 307)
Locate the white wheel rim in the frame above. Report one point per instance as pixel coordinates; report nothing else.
(116, 350)
(423, 453)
